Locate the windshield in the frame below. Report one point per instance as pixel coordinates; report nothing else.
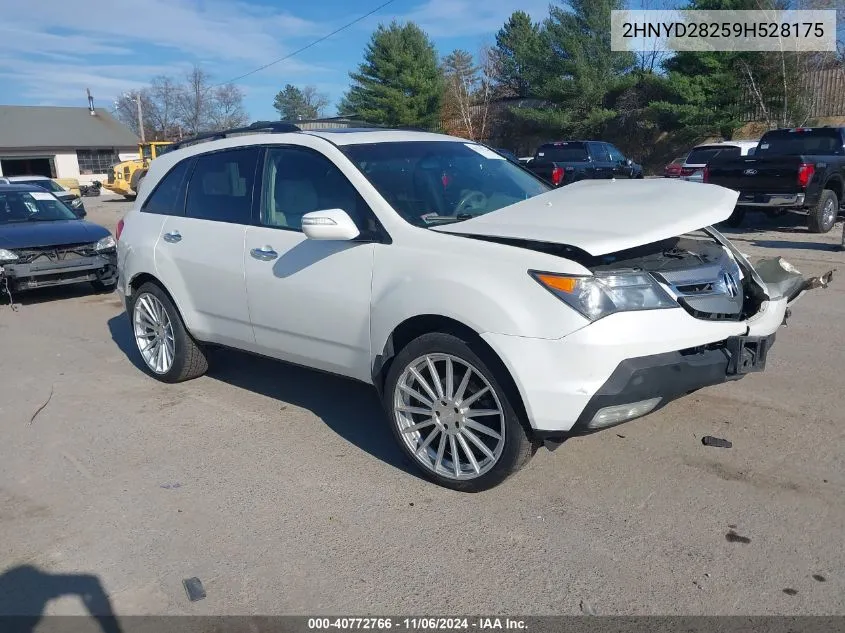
(439, 182)
(703, 155)
(823, 142)
(32, 206)
(562, 153)
(49, 185)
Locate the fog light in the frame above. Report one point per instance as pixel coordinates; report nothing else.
(621, 412)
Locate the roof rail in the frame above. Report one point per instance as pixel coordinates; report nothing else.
(274, 127)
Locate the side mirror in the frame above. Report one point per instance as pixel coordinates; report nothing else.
(331, 224)
(628, 162)
(80, 213)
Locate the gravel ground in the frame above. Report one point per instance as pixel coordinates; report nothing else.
(281, 489)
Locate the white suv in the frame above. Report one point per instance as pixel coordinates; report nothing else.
(492, 313)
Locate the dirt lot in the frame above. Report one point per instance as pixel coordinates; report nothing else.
(281, 489)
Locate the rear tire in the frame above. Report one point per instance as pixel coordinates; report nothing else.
(451, 419)
(736, 218)
(822, 217)
(177, 356)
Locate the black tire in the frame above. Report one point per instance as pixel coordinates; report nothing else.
(100, 286)
(736, 218)
(819, 219)
(190, 360)
(518, 445)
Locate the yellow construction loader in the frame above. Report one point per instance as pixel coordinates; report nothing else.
(125, 177)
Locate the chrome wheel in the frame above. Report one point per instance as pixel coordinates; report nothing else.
(154, 333)
(449, 416)
(829, 213)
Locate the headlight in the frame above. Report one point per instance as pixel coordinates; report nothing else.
(76, 203)
(7, 256)
(597, 296)
(105, 244)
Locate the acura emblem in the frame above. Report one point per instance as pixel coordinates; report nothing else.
(750, 172)
(730, 284)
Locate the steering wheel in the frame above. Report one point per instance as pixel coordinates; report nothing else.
(474, 199)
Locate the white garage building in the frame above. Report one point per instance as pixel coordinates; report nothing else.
(62, 142)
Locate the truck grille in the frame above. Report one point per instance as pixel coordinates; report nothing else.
(55, 253)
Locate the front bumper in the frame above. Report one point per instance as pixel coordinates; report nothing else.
(40, 274)
(661, 378)
(771, 200)
(561, 381)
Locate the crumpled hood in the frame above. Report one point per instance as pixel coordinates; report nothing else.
(57, 233)
(601, 216)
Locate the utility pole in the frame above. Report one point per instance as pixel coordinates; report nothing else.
(140, 116)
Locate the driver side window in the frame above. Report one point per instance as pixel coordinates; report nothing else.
(615, 155)
(298, 181)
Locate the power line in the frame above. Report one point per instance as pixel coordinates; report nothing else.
(307, 46)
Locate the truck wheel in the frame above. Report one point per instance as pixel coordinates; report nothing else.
(822, 217)
(736, 218)
(451, 413)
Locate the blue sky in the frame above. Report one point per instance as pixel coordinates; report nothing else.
(52, 50)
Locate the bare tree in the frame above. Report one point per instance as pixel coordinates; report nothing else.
(461, 76)
(653, 58)
(316, 101)
(194, 105)
(163, 97)
(126, 111)
(227, 108)
(488, 70)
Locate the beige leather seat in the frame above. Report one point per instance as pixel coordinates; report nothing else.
(293, 198)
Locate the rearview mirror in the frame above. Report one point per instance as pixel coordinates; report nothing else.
(331, 224)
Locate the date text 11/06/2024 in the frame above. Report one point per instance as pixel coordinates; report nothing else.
(418, 624)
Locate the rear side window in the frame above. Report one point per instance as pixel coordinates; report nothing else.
(220, 187)
(168, 198)
(703, 155)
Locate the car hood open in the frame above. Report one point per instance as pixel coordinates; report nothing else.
(600, 216)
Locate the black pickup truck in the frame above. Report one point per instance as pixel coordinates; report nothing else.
(797, 169)
(565, 162)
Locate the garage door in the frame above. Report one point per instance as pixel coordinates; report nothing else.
(29, 166)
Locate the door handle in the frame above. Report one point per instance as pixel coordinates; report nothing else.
(172, 237)
(265, 254)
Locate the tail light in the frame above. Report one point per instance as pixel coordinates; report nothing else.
(557, 175)
(687, 171)
(705, 174)
(119, 230)
(805, 173)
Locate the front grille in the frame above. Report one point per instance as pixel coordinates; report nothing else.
(712, 293)
(110, 179)
(55, 253)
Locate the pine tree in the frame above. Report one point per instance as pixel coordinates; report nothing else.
(399, 82)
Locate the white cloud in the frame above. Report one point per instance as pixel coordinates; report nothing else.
(461, 18)
(216, 29)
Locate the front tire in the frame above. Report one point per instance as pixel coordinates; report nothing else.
(169, 352)
(822, 217)
(452, 415)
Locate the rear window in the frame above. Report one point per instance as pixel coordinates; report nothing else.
(808, 142)
(562, 152)
(703, 155)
